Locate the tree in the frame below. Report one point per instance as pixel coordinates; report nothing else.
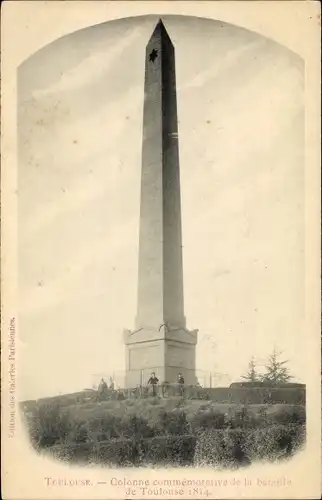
(276, 371)
(251, 375)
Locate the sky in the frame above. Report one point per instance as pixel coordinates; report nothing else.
(241, 140)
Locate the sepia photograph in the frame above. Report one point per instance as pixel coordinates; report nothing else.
(161, 254)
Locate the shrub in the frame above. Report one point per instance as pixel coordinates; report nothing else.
(104, 427)
(61, 452)
(109, 426)
(221, 447)
(242, 418)
(236, 418)
(126, 452)
(79, 432)
(289, 415)
(172, 423)
(72, 453)
(207, 420)
(274, 442)
(233, 447)
(119, 452)
(135, 427)
(81, 452)
(49, 425)
(169, 449)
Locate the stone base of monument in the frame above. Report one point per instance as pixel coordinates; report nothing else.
(165, 351)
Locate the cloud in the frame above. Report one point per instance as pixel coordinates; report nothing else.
(92, 67)
(222, 65)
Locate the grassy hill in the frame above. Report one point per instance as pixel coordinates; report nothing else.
(84, 404)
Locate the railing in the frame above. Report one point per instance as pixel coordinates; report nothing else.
(203, 378)
(222, 395)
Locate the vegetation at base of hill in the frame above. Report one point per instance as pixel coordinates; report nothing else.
(236, 447)
(171, 431)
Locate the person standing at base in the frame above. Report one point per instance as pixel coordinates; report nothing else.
(181, 384)
(102, 390)
(112, 385)
(153, 380)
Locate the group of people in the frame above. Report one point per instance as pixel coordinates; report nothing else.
(153, 381)
(103, 387)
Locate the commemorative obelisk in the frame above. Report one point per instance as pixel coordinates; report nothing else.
(160, 342)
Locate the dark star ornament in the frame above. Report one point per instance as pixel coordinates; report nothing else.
(153, 55)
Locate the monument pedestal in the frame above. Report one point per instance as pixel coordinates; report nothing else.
(166, 351)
